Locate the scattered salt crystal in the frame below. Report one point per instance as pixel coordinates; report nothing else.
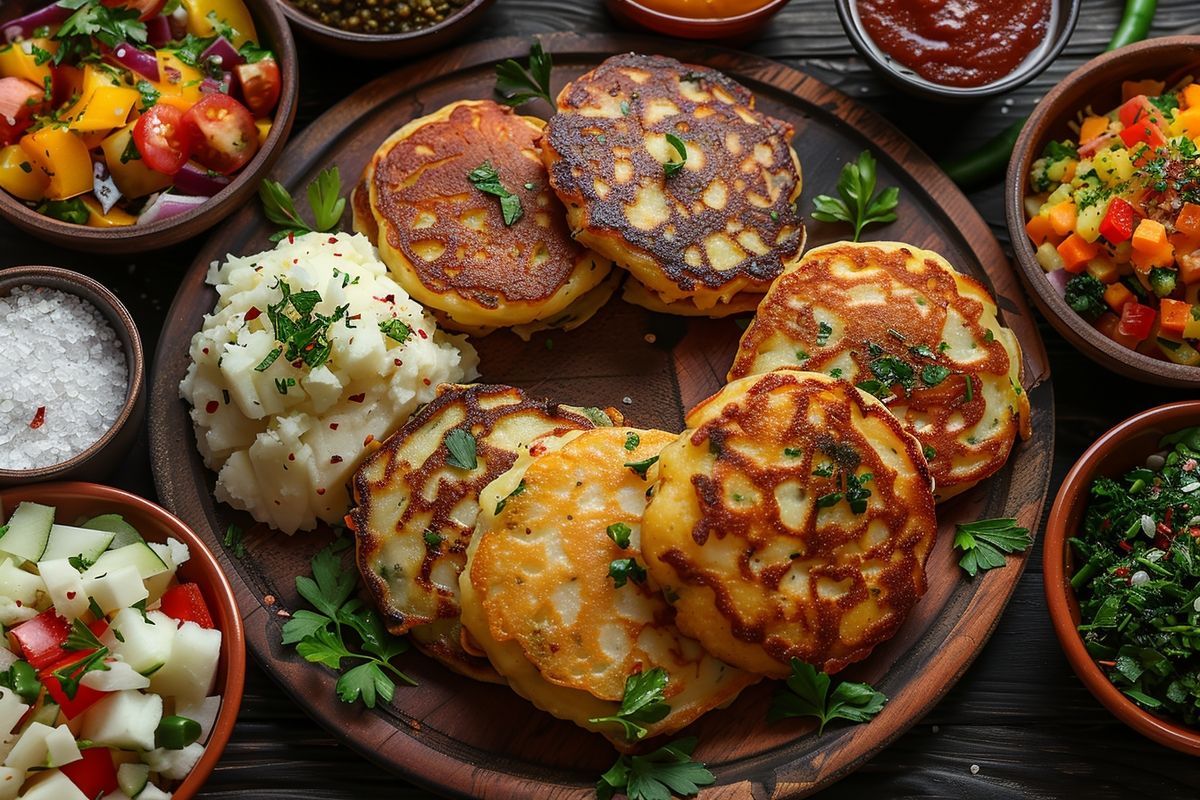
(974, 769)
(60, 354)
(627, 401)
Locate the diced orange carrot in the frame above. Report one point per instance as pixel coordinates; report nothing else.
(1191, 95)
(1148, 87)
(1188, 220)
(1183, 243)
(1062, 218)
(1144, 261)
(1174, 314)
(1150, 236)
(1189, 267)
(1117, 295)
(1092, 127)
(1039, 229)
(1076, 252)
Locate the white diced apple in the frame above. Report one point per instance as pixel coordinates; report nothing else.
(192, 665)
(30, 749)
(61, 747)
(117, 589)
(203, 711)
(11, 711)
(125, 719)
(10, 783)
(118, 677)
(143, 643)
(56, 786)
(20, 592)
(179, 552)
(174, 764)
(65, 587)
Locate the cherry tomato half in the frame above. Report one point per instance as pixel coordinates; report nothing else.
(1136, 320)
(163, 139)
(261, 84)
(145, 8)
(223, 134)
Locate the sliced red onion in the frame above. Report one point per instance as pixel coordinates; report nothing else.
(1058, 279)
(222, 54)
(158, 31)
(104, 187)
(197, 181)
(139, 61)
(23, 27)
(211, 85)
(167, 205)
(178, 21)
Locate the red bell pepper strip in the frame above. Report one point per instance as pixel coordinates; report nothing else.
(94, 774)
(1118, 223)
(186, 604)
(85, 696)
(1138, 110)
(1136, 320)
(41, 639)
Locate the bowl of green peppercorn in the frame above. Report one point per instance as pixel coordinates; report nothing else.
(382, 29)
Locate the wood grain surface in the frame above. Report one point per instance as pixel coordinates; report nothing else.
(1019, 714)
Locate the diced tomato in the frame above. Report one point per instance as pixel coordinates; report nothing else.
(1137, 320)
(19, 99)
(145, 8)
(1139, 109)
(1117, 225)
(261, 85)
(186, 604)
(41, 639)
(162, 139)
(1143, 133)
(94, 775)
(222, 131)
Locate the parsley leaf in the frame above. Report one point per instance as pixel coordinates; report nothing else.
(985, 542)
(672, 167)
(807, 695)
(70, 675)
(623, 570)
(395, 330)
(81, 638)
(640, 467)
(487, 180)
(859, 204)
(643, 701)
(324, 198)
(462, 447)
(516, 86)
(619, 533)
(656, 775)
(504, 501)
(632, 440)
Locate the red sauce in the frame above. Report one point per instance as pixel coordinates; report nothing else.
(957, 42)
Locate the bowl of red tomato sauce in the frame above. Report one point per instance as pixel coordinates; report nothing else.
(128, 125)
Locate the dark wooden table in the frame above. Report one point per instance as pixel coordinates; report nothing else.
(1018, 725)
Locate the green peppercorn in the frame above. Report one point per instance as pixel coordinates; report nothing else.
(380, 16)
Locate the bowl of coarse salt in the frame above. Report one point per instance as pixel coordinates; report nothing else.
(71, 376)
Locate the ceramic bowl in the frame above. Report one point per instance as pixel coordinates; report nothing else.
(735, 29)
(107, 452)
(1124, 447)
(74, 501)
(1098, 84)
(385, 45)
(274, 32)
(1064, 14)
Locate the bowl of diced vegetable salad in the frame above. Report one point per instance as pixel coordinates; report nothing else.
(122, 667)
(1103, 203)
(134, 124)
(1122, 572)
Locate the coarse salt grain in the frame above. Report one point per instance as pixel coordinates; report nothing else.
(60, 354)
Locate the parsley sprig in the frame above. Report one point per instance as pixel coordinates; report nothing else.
(301, 332)
(516, 85)
(673, 166)
(462, 449)
(324, 198)
(487, 180)
(807, 694)
(858, 205)
(320, 636)
(643, 702)
(94, 19)
(656, 775)
(985, 542)
(80, 638)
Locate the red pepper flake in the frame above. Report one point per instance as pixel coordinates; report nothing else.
(212, 406)
(335, 459)
(291, 238)
(19, 603)
(398, 362)
(333, 240)
(204, 350)
(422, 334)
(391, 298)
(355, 317)
(252, 314)
(71, 595)
(333, 426)
(291, 456)
(1126, 546)
(370, 438)
(358, 398)
(39, 418)
(339, 255)
(299, 362)
(426, 381)
(1121, 572)
(321, 491)
(537, 449)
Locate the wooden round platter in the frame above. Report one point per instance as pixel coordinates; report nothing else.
(467, 739)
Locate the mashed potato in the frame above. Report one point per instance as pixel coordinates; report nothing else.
(286, 427)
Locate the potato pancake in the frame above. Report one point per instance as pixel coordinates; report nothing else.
(447, 241)
(636, 294)
(902, 324)
(702, 228)
(538, 597)
(792, 520)
(417, 504)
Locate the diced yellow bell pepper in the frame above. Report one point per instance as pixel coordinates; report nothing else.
(1093, 127)
(132, 176)
(229, 12)
(19, 61)
(63, 158)
(95, 76)
(178, 84)
(115, 218)
(1113, 166)
(1187, 123)
(107, 108)
(1192, 329)
(18, 176)
(264, 130)
(1191, 95)
(1103, 269)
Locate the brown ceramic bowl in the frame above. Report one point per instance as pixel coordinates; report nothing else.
(81, 500)
(1096, 83)
(732, 29)
(106, 453)
(385, 45)
(275, 34)
(1113, 454)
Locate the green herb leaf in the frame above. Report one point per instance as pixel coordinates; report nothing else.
(807, 695)
(656, 775)
(933, 374)
(395, 330)
(632, 440)
(503, 502)
(985, 542)
(673, 166)
(487, 180)
(516, 85)
(233, 540)
(324, 199)
(640, 467)
(619, 532)
(81, 638)
(623, 570)
(859, 205)
(433, 538)
(462, 448)
(643, 702)
(73, 210)
(70, 675)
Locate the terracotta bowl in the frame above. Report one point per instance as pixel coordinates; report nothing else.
(385, 45)
(1096, 83)
(106, 453)
(1064, 15)
(733, 30)
(1112, 455)
(275, 34)
(76, 500)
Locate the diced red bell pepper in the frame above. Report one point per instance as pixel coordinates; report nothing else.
(1118, 223)
(41, 639)
(1136, 320)
(1139, 109)
(186, 604)
(1143, 133)
(94, 774)
(85, 696)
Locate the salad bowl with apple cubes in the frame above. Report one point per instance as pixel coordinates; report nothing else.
(109, 661)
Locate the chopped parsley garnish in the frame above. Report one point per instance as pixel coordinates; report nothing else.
(632, 440)
(640, 467)
(149, 94)
(642, 702)
(270, 359)
(462, 448)
(933, 374)
(619, 532)
(824, 331)
(70, 675)
(858, 204)
(985, 542)
(922, 351)
(857, 493)
(130, 153)
(433, 538)
(823, 471)
(395, 330)
(792, 452)
(93, 19)
(673, 166)
(80, 563)
(656, 775)
(233, 541)
(73, 210)
(829, 500)
(301, 332)
(81, 637)
(504, 501)
(324, 199)
(929, 452)
(622, 570)
(516, 85)
(807, 694)
(487, 180)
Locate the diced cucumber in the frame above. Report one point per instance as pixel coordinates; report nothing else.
(10, 783)
(144, 644)
(132, 778)
(56, 786)
(139, 555)
(118, 677)
(66, 541)
(192, 665)
(162, 581)
(65, 587)
(47, 714)
(30, 749)
(174, 764)
(28, 531)
(123, 533)
(61, 747)
(116, 589)
(22, 589)
(12, 709)
(124, 719)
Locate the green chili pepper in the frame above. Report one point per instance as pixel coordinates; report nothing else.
(176, 733)
(1135, 23)
(25, 681)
